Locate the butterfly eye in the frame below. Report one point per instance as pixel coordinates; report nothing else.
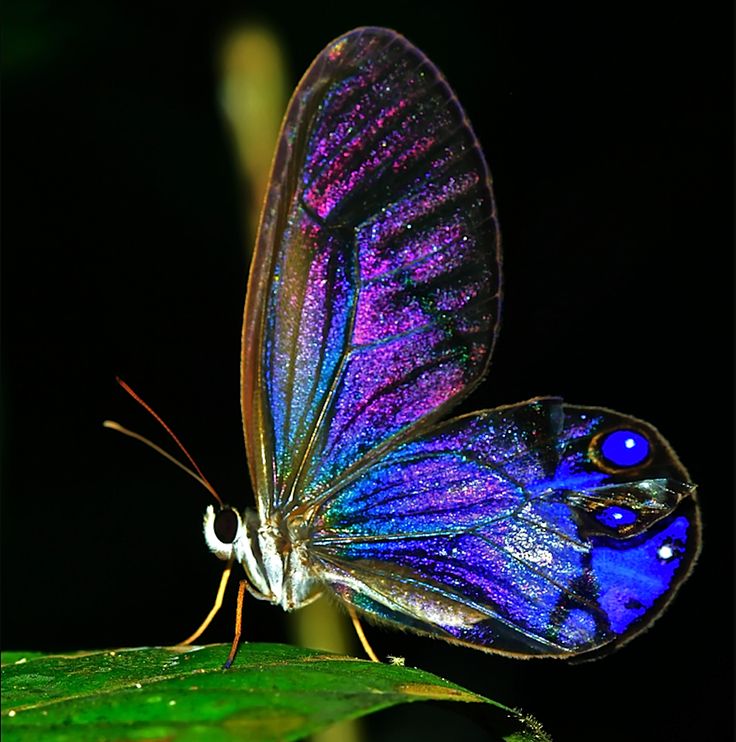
(222, 531)
(226, 525)
(622, 449)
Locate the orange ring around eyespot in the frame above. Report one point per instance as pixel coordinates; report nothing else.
(599, 459)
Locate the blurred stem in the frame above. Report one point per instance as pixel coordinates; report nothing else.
(254, 95)
(253, 91)
(322, 625)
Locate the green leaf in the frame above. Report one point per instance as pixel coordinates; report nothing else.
(272, 692)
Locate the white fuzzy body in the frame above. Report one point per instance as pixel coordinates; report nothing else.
(275, 562)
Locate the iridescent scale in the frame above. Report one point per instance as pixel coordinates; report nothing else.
(497, 530)
(374, 299)
(373, 305)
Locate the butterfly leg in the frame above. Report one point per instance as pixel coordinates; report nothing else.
(238, 625)
(216, 607)
(361, 634)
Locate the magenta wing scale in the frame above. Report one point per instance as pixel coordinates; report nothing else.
(374, 297)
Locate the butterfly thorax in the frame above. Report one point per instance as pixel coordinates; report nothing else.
(273, 553)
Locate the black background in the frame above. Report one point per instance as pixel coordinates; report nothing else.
(609, 134)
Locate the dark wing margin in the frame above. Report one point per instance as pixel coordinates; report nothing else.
(374, 293)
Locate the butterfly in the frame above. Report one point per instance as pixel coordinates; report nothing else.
(373, 304)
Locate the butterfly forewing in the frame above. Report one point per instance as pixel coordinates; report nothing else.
(373, 300)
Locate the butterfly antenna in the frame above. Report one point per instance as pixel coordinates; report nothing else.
(120, 429)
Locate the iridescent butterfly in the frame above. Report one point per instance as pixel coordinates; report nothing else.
(373, 304)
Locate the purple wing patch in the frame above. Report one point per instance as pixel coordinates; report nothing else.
(374, 301)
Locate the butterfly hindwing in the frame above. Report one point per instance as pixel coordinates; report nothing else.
(521, 530)
(373, 297)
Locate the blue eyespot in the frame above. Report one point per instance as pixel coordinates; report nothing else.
(616, 517)
(624, 448)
